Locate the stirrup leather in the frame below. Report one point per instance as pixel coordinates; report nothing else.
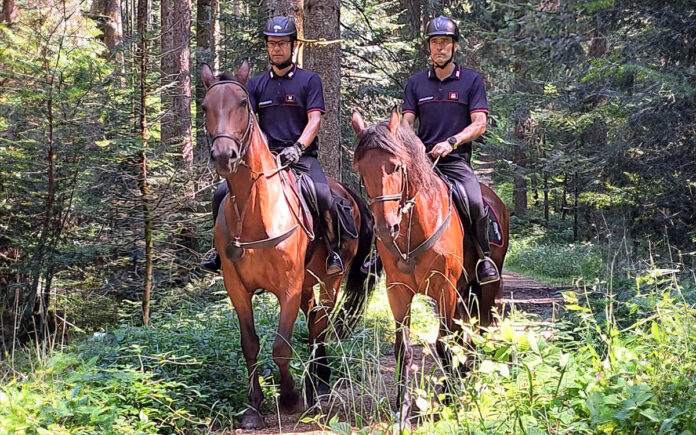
(497, 272)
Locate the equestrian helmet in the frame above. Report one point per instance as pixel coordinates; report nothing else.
(442, 26)
(280, 26)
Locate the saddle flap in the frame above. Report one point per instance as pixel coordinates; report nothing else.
(345, 217)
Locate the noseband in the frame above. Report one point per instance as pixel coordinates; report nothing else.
(242, 142)
(405, 203)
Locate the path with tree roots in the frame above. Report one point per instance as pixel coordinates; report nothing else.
(520, 294)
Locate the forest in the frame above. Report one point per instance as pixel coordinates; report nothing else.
(109, 325)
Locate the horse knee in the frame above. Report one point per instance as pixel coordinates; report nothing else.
(282, 352)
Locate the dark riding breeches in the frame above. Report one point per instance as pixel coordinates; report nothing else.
(308, 166)
(458, 171)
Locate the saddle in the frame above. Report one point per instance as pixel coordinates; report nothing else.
(310, 208)
(461, 200)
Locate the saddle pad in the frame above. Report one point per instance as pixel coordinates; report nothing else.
(495, 235)
(345, 217)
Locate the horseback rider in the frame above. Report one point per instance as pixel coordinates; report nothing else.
(289, 102)
(450, 103)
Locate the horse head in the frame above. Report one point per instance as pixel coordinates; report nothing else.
(383, 170)
(228, 117)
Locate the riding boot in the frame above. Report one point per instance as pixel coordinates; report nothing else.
(486, 270)
(212, 264)
(334, 263)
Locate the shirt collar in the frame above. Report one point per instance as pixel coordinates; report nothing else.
(289, 75)
(456, 73)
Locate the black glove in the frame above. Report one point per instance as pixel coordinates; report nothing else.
(291, 154)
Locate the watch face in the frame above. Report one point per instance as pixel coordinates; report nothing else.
(452, 140)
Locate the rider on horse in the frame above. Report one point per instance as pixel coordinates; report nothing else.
(450, 102)
(289, 102)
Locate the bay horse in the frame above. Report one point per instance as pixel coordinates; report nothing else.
(264, 244)
(421, 239)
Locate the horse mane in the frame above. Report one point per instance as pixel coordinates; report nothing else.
(406, 143)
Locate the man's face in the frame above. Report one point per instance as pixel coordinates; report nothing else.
(441, 48)
(279, 49)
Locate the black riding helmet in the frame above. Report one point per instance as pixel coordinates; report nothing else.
(442, 26)
(280, 26)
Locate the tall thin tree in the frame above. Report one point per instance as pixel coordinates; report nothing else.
(144, 135)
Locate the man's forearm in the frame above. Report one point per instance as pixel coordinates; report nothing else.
(310, 131)
(471, 132)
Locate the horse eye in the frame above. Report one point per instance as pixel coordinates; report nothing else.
(244, 102)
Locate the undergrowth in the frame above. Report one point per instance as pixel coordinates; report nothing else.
(619, 359)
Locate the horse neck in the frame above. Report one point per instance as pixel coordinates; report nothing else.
(430, 209)
(249, 182)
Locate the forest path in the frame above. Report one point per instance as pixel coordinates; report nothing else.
(519, 294)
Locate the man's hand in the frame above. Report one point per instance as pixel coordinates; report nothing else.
(441, 149)
(290, 155)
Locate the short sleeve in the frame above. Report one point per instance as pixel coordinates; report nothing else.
(315, 95)
(409, 98)
(477, 96)
(251, 89)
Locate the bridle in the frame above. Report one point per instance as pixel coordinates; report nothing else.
(236, 246)
(405, 203)
(245, 140)
(405, 206)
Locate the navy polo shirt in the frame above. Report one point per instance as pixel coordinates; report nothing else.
(444, 107)
(283, 102)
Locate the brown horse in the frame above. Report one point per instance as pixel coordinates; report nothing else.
(420, 237)
(264, 244)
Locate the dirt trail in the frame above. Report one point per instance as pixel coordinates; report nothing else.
(519, 293)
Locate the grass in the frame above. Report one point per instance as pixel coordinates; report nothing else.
(619, 360)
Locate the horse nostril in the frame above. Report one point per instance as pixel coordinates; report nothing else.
(395, 230)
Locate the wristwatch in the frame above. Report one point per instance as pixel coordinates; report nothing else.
(452, 141)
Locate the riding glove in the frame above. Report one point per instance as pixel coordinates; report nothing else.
(291, 154)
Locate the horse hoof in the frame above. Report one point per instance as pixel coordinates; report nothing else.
(323, 390)
(251, 419)
(291, 403)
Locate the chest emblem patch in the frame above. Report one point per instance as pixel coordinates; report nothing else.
(454, 95)
(290, 98)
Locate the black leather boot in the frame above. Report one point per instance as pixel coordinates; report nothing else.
(334, 263)
(212, 264)
(486, 270)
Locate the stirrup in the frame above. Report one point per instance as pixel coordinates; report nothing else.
(497, 272)
(334, 256)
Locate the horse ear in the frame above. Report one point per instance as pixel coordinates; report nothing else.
(394, 121)
(357, 122)
(242, 73)
(207, 76)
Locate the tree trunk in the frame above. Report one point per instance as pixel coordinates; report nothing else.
(9, 11)
(167, 71)
(181, 100)
(322, 21)
(113, 27)
(206, 52)
(142, 179)
(414, 19)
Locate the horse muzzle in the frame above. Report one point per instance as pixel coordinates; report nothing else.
(225, 160)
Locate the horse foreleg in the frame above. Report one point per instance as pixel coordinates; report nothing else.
(290, 400)
(317, 380)
(400, 299)
(241, 300)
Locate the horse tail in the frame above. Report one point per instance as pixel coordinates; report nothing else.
(359, 285)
